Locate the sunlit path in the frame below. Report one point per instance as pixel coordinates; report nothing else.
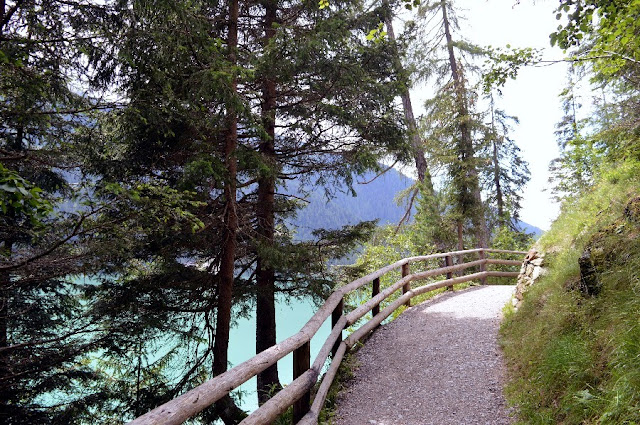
(438, 363)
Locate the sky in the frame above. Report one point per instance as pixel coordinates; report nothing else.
(532, 97)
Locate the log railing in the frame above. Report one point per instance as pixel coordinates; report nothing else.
(298, 393)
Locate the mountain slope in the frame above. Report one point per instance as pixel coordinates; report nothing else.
(374, 201)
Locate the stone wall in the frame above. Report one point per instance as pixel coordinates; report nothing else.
(531, 270)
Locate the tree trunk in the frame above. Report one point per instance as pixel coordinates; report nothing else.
(417, 148)
(496, 169)
(5, 281)
(465, 145)
(3, 6)
(225, 407)
(267, 381)
(496, 179)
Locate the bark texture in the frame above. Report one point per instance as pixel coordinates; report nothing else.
(225, 407)
(267, 381)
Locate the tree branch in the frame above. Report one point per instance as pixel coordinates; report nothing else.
(381, 173)
(407, 214)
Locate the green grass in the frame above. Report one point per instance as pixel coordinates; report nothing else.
(575, 359)
(345, 373)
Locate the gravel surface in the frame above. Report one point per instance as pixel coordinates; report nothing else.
(438, 363)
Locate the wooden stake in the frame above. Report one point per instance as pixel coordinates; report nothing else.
(301, 363)
(483, 267)
(375, 291)
(407, 286)
(335, 317)
(448, 261)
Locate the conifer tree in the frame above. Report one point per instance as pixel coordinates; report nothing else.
(507, 173)
(441, 62)
(326, 113)
(49, 97)
(332, 115)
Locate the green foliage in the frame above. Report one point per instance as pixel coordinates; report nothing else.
(20, 199)
(506, 172)
(345, 372)
(386, 247)
(573, 359)
(377, 34)
(608, 28)
(434, 221)
(508, 239)
(504, 63)
(605, 35)
(51, 93)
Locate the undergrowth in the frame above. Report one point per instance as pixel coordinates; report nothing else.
(575, 358)
(345, 373)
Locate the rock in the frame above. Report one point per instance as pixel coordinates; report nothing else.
(632, 210)
(531, 270)
(589, 283)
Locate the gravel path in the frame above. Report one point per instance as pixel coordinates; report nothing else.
(438, 363)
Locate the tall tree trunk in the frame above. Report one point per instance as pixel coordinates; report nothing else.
(496, 180)
(496, 168)
(2, 13)
(466, 151)
(267, 381)
(225, 407)
(5, 281)
(417, 148)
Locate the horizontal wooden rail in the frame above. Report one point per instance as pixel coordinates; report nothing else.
(191, 403)
(366, 307)
(504, 262)
(504, 274)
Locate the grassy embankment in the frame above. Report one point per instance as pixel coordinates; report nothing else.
(574, 358)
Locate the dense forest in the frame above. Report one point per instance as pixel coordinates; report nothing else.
(154, 156)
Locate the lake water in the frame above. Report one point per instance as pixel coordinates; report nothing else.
(290, 317)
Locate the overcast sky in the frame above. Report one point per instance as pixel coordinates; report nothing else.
(533, 97)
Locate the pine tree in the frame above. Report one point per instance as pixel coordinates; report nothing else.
(441, 62)
(50, 97)
(507, 173)
(325, 114)
(332, 115)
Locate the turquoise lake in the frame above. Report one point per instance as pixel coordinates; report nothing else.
(290, 317)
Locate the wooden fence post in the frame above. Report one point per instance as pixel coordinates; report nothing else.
(407, 286)
(301, 363)
(483, 268)
(375, 290)
(335, 316)
(448, 261)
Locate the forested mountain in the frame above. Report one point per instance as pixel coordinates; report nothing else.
(375, 199)
(372, 201)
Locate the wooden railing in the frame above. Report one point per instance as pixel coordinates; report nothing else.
(305, 374)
